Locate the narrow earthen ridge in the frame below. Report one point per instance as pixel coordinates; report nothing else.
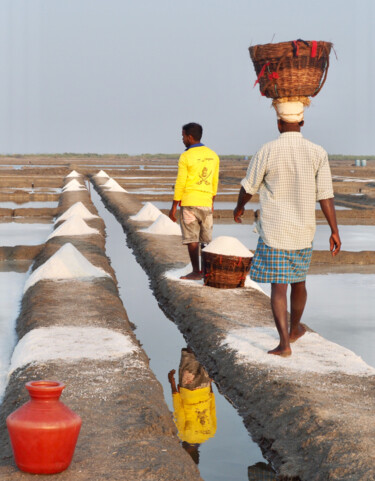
(127, 431)
(310, 425)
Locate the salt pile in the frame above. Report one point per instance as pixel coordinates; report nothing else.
(229, 246)
(66, 263)
(77, 209)
(113, 186)
(70, 343)
(312, 353)
(163, 225)
(148, 213)
(101, 173)
(75, 225)
(73, 173)
(73, 185)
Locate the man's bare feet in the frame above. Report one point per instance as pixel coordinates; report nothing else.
(279, 351)
(193, 276)
(296, 333)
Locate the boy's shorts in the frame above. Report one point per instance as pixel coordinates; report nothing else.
(196, 224)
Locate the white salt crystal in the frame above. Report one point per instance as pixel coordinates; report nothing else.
(66, 263)
(113, 186)
(77, 209)
(69, 343)
(74, 225)
(101, 173)
(229, 246)
(73, 185)
(73, 173)
(148, 213)
(163, 225)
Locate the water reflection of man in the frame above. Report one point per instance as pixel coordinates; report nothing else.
(193, 403)
(261, 472)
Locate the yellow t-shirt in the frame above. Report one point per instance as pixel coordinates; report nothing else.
(195, 414)
(197, 177)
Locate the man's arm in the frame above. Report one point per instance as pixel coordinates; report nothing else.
(328, 209)
(243, 199)
(172, 212)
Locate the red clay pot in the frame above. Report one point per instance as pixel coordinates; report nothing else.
(43, 432)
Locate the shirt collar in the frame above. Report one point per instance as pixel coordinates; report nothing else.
(195, 145)
(291, 134)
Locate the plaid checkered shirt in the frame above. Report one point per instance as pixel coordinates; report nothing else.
(291, 175)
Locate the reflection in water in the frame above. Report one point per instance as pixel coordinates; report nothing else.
(193, 403)
(261, 472)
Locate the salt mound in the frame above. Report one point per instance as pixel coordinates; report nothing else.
(101, 173)
(229, 246)
(75, 225)
(163, 225)
(66, 263)
(73, 185)
(77, 209)
(148, 213)
(73, 173)
(113, 186)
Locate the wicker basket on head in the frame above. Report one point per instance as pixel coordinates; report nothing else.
(289, 69)
(225, 272)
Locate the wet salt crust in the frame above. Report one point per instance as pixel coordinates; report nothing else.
(73, 173)
(74, 225)
(148, 213)
(66, 263)
(69, 344)
(78, 209)
(311, 353)
(101, 173)
(113, 186)
(229, 246)
(164, 226)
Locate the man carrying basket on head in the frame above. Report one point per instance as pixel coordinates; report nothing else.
(291, 174)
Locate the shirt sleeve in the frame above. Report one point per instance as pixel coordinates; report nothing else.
(255, 173)
(178, 412)
(215, 180)
(181, 178)
(324, 188)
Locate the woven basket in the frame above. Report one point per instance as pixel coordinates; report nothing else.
(225, 272)
(289, 69)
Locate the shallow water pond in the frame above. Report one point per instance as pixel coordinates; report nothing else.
(18, 233)
(27, 205)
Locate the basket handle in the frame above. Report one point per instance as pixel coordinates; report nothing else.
(325, 73)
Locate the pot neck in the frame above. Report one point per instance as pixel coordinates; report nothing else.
(45, 390)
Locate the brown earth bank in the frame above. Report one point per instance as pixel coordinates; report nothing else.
(127, 431)
(309, 425)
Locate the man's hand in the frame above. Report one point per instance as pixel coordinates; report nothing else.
(172, 381)
(334, 244)
(237, 213)
(172, 215)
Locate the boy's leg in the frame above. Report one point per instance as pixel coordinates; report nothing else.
(280, 314)
(298, 297)
(193, 249)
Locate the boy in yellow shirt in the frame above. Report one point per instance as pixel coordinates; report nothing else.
(195, 190)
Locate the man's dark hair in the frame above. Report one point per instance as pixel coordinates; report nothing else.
(193, 129)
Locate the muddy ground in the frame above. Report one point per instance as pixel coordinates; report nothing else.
(311, 426)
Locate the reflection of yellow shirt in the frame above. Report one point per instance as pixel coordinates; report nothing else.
(195, 414)
(197, 178)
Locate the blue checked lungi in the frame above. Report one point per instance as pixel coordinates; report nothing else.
(279, 266)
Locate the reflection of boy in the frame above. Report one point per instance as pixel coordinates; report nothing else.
(193, 401)
(195, 190)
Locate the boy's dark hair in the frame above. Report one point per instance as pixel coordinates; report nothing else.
(193, 129)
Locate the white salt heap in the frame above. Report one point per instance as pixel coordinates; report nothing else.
(73, 173)
(229, 246)
(74, 225)
(148, 213)
(113, 186)
(311, 353)
(69, 343)
(163, 225)
(66, 263)
(101, 173)
(73, 185)
(77, 209)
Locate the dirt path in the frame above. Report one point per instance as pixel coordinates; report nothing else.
(311, 425)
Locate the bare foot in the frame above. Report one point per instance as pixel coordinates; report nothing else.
(193, 276)
(296, 333)
(278, 351)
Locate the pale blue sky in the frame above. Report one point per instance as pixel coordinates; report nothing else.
(122, 76)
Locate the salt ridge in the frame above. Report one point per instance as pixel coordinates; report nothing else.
(77, 209)
(148, 213)
(101, 173)
(72, 183)
(74, 225)
(73, 173)
(66, 263)
(164, 226)
(114, 186)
